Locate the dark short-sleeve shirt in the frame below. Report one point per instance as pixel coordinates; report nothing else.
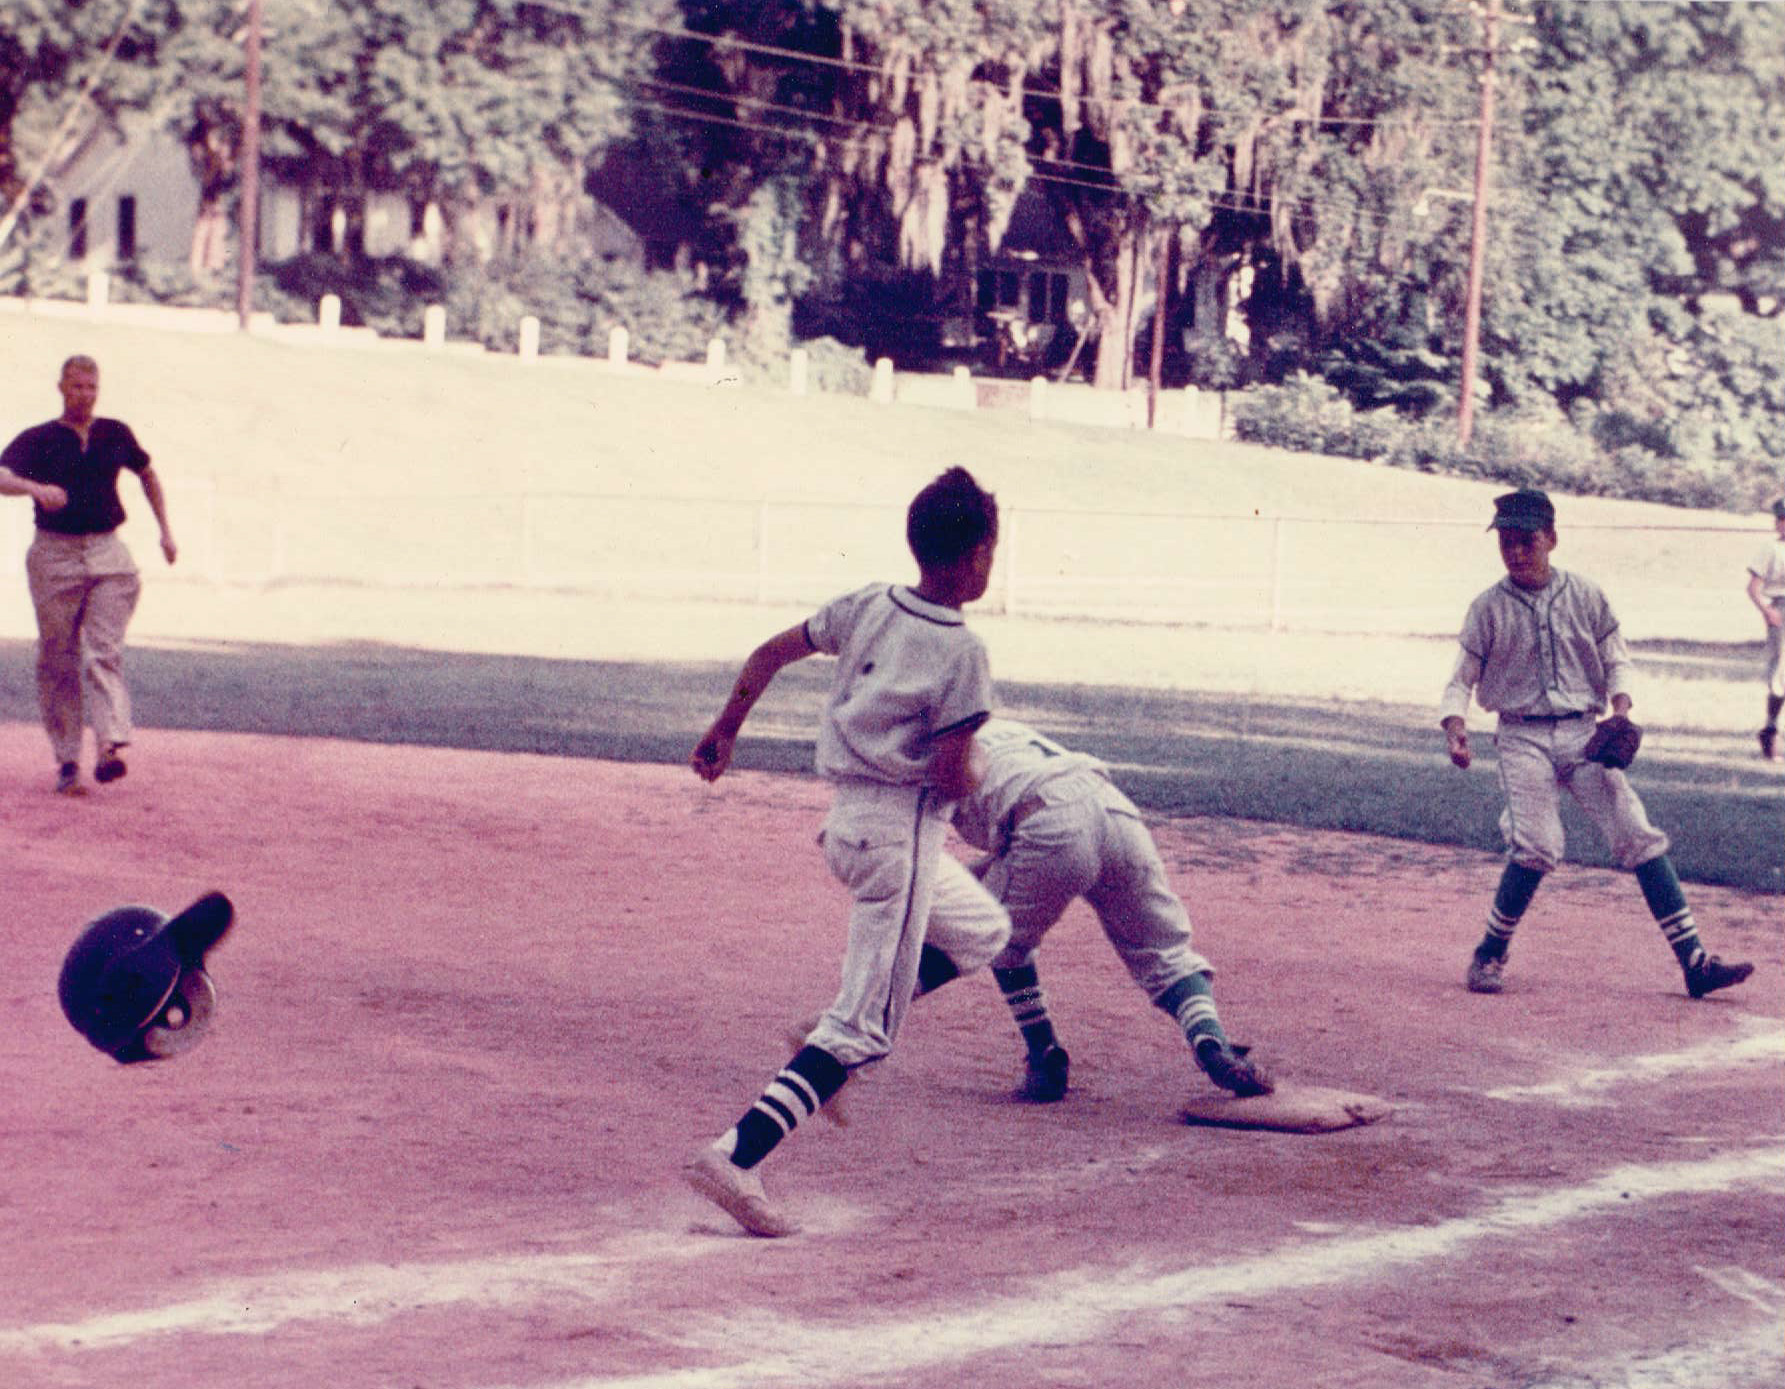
(53, 453)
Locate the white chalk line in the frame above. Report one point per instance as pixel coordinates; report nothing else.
(364, 1295)
(1079, 1307)
(1762, 1043)
(1075, 1307)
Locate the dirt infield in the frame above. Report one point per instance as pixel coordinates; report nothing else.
(480, 1005)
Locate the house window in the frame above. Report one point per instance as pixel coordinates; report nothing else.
(127, 227)
(77, 229)
(999, 289)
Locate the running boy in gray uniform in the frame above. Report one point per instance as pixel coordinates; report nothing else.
(910, 686)
(1057, 828)
(1766, 591)
(1542, 649)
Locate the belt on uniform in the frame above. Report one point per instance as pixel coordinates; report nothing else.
(1547, 718)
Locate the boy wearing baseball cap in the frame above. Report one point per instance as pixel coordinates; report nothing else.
(1542, 649)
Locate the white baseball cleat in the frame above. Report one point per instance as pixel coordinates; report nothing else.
(738, 1193)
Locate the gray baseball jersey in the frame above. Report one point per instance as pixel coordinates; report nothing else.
(1015, 762)
(908, 672)
(1769, 564)
(1556, 651)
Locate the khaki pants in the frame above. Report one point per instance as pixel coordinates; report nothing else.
(84, 588)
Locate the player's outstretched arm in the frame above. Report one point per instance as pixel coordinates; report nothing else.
(712, 754)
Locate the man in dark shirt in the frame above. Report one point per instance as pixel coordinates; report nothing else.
(84, 583)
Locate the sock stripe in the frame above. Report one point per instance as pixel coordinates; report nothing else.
(785, 1119)
(1679, 924)
(1195, 1013)
(792, 1083)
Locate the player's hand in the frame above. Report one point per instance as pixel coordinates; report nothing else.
(712, 755)
(1772, 615)
(1458, 738)
(168, 548)
(51, 497)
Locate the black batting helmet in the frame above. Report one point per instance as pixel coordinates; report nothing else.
(133, 983)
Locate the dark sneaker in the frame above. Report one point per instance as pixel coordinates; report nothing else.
(1769, 744)
(1484, 974)
(110, 766)
(1711, 974)
(68, 780)
(1230, 1068)
(1044, 1077)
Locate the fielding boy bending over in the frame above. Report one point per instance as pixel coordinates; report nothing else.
(911, 685)
(1542, 649)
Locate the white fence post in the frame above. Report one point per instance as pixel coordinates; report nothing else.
(529, 338)
(798, 363)
(328, 312)
(882, 391)
(1038, 397)
(433, 326)
(966, 397)
(99, 290)
(619, 343)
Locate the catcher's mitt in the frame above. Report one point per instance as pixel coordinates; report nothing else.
(1614, 743)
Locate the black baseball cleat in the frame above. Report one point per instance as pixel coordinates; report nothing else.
(110, 766)
(1711, 974)
(1230, 1068)
(1044, 1077)
(1769, 745)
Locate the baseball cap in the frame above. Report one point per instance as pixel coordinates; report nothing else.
(1528, 509)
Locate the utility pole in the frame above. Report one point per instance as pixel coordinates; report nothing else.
(1478, 235)
(250, 226)
(1158, 362)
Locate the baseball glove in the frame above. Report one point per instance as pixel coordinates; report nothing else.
(1614, 743)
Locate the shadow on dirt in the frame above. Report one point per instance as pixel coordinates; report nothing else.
(1371, 767)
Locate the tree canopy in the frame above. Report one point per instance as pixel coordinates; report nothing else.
(1305, 165)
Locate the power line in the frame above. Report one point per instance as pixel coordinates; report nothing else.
(1042, 93)
(1239, 203)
